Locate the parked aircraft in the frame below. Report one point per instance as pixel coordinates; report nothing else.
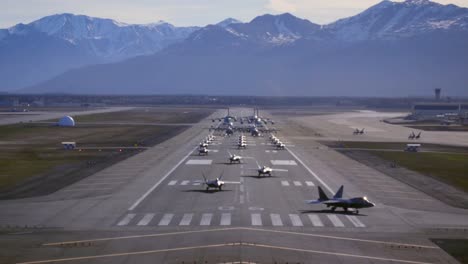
(234, 158)
(216, 183)
(265, 170)
(203, 151)
(414, 136)
(358, 132)
(338, 201)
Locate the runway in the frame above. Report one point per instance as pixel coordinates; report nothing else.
(154, 208)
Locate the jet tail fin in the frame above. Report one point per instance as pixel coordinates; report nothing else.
(339, 193)
(322, 195)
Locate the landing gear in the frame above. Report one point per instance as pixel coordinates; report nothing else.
(345, 209)
(221, 188)
(333, 209)
(357, 211)
(269, 174)
(207, 188)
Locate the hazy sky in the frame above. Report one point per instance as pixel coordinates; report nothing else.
(185, 12)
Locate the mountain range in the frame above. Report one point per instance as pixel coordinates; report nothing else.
(392, 48)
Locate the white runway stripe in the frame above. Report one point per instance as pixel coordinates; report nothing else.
(196, 183)
(256, 219)
(335, 220)
(276, 220)
(295, 220)
(186, 219)
(309, 183)
(297, 183)
(172, 183)
(353, 219)
(285, 183)
(275, 151)
(166, 219)
(146, 219)
(184, 182)
(225, 219)
(267, 151)
(206, 219)
(126, 220)
(315, 220)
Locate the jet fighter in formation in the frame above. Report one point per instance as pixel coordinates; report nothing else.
(414, 136)
(338, 201)
(358, 132)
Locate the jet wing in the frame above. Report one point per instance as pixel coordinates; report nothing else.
(313, 202)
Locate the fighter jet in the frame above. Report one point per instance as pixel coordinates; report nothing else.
(338, 201)
(358, 132)
(280, 145)
(265, 170)
(241, 144)
(203, 151)
(412, 135)
(234, 158)
(216, 183)
(418, 136)
(203, 145)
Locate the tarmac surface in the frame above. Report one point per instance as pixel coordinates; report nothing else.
(152, 208)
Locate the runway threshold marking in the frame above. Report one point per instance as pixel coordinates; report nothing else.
(315, 220)
(256, 219)
(335, 220)
(146, 219)
(237, 244)
(240, 229)
(353, 219)
(139, 200)
(126, 219)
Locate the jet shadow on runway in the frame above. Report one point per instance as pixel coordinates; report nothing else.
(206, 191)
(260, 177)
(329, 211)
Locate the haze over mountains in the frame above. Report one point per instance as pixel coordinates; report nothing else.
(391, 49)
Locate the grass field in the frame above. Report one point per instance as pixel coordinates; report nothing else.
(457, 248)
(392, 146)
(149, 115)
(20, 164)
(30, 150)
(450, 168)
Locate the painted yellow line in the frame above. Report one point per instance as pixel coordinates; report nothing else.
(334, 253)
(139, 236)
(240, 228)
(223, 245)
(339, 238)
(128, 253)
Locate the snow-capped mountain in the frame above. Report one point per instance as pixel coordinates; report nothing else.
(107, 38)
(57, 43)
(263, 31)
(390, 20)
(228, 21)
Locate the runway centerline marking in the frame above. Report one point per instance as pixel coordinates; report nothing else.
(139, 200)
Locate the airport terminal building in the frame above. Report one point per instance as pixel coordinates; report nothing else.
(433, 110)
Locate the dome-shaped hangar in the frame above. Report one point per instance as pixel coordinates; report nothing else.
(66, 121)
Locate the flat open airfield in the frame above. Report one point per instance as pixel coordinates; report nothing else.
(150, 208)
